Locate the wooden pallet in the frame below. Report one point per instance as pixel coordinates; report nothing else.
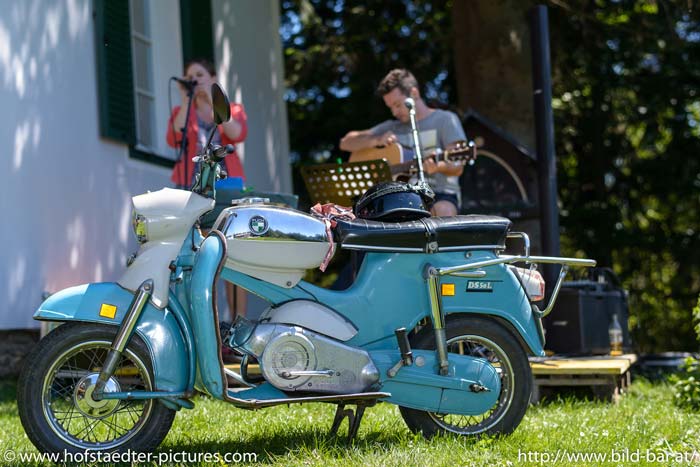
(607, 376)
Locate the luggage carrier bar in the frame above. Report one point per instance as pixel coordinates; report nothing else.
(524, 258)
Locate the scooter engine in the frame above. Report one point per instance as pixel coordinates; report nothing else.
(296, 359)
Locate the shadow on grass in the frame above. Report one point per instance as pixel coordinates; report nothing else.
(578, 394)
(8, 397)
(8, 390)
(270, 446)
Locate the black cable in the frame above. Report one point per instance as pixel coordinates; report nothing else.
(312, 295)
(181, 154)
(172, 122)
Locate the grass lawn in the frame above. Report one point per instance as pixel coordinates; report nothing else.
(644, 423)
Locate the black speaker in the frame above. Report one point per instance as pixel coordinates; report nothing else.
(579, 322)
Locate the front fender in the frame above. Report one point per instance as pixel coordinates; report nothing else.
(158, 328)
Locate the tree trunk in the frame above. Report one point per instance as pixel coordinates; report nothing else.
(493, 63)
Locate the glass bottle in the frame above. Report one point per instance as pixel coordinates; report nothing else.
(615, 334)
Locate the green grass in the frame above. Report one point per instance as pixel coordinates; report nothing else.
(644, 419)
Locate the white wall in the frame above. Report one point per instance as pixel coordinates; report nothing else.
(65, 192)
(250, 66)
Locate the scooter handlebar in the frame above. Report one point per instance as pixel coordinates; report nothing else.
(219, 153)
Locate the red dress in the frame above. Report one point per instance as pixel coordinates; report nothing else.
(233, 163)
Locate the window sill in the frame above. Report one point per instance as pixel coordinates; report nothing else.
(150, 157)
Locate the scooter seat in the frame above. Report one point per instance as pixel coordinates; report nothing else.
(429, 235)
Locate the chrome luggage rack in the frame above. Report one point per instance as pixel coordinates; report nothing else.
(461, 271)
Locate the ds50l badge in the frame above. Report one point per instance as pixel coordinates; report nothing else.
(479, 286)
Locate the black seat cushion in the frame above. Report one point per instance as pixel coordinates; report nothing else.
(424, 235)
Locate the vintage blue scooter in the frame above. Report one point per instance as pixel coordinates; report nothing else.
(438, 321)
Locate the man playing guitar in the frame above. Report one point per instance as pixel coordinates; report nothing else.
(439, 129)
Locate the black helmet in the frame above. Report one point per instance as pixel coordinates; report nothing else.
(394, 202)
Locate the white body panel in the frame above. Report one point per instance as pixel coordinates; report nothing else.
(313, 316)
(169, 214)
(291, 243)
(73, 225)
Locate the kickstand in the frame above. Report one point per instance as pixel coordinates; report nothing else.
(354, 419)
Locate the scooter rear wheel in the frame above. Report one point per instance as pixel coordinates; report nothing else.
(55, 386)
(482, 337)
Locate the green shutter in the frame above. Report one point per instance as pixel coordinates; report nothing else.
(197, 30)
(114, 73)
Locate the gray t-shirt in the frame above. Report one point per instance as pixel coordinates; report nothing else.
(438, 130)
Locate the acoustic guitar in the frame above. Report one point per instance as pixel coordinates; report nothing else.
(393, 153)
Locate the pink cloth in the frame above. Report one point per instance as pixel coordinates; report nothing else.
(328, 213)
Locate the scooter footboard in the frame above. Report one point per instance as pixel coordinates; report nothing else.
(108, 303)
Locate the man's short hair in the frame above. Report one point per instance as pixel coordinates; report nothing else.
(399, 78)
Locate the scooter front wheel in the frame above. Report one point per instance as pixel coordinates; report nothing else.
(479, 337)
(55, 387)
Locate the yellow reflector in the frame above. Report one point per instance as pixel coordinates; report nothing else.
(108, 311)
(140, 229)
(448, 289)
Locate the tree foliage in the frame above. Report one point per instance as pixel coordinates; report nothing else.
(627, 122)
(336, 53)
(627, 130)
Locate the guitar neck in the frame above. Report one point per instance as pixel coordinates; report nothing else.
(453, 155)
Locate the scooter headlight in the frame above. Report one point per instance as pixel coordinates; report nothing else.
(140, 226)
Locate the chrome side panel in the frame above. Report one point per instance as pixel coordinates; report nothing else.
(272, 243)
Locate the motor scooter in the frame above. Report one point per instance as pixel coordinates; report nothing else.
(439, 321)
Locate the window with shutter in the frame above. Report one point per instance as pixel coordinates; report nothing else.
(137, 53)
(197, 31)
(114, 73)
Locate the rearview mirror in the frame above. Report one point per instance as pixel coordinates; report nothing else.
(222, 108)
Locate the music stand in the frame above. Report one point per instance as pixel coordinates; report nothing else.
(343, 183)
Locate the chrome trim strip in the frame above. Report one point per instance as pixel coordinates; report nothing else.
(351, 246)
(588, 263)
(380, 248)
(471, 275)
(324, 373)
(471, 247)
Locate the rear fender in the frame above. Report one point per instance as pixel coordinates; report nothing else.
(107, 303)
(505, 301)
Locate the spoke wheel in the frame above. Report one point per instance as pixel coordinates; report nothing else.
(489, 340)
(75, 416)
(479, 346)
(55, 394)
